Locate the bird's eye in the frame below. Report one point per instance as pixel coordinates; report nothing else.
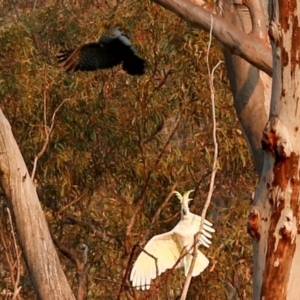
(184, 211)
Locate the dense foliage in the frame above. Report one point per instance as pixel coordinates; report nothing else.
(119, 144)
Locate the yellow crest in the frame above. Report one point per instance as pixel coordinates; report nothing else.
(184, 199)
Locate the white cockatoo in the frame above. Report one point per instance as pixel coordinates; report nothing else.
(163, 251)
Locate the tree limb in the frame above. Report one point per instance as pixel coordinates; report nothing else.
(80, 267)
(40, 255)
(248, 46)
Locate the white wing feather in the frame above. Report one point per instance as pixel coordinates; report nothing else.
(207, 227)
(164, 248)
(200, 264)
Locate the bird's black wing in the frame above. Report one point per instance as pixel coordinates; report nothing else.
(132, 64)
(88, 57)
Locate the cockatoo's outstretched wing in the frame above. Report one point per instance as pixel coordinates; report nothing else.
(200, 264)
(164, 248)
(205, 234)
(163, 251)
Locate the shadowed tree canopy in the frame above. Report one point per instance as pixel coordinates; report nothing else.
(119, 144)
(106, 150)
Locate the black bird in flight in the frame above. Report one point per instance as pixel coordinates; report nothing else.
(105, 54)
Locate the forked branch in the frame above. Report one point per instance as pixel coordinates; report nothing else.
(250, 47)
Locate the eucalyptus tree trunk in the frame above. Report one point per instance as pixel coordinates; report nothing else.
(275, 214)
(251, 87)
(269, 115)
(41, 258)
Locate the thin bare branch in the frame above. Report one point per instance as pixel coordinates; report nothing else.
(214, 168)
(80, 268)
(105, 236)
(48, 131)
(47, 139)
(17, 280)
(12, 262)
(81, 197)
(159, 210)
(141, 201)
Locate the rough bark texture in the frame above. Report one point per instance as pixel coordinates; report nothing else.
(274, 217)
(40, 255)
(277, 199)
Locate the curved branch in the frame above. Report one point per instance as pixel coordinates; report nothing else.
(248, 46)
(259, 26)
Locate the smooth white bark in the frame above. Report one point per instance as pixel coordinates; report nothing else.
(40, 255)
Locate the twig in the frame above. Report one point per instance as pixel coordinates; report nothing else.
(15, 8)
(16, 280)
(34, 5)
(128, 265)
(80, 266)
(47, 131)
(159, 210)
(106, 237)
(140, 203)
(73, 202)
(214, 168)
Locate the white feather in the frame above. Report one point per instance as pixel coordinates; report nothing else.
(163, 251)
(123, 38)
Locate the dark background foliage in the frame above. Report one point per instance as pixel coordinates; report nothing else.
(120, 144)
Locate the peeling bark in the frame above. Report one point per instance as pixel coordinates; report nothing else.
(40, 255)
(253, 224)
(274, 216)
(281, 245)
(279, 193)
